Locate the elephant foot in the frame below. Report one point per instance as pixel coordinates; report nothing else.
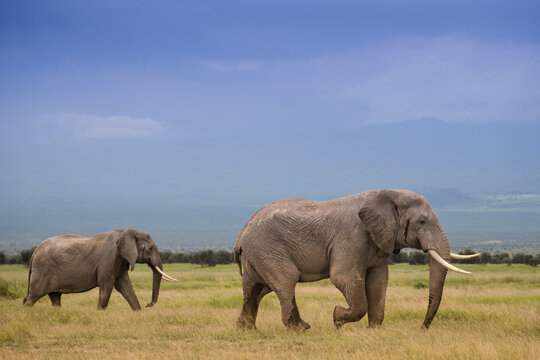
(246, 323)
(303, 326)
(374, 326)
(27, 302)
(298, 326)
(340, 313)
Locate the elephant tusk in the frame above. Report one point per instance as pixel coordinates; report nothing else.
(165, 276)
(457, 256)
(444, 263)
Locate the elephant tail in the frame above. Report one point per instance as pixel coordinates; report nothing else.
(29, 276)
(237, 253)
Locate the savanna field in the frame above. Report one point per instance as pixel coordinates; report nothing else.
(492, 314)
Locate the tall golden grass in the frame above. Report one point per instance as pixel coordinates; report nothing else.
(492, 314)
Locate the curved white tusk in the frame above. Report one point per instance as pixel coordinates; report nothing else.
(168, 278)
(457, 256)
(444, 263)
(165, 276)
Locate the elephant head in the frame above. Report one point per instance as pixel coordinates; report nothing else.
(400, 219)
(138, 247)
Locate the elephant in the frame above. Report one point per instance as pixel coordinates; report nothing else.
(347, 240)
(72, 264)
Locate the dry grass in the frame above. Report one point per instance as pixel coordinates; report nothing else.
(493, 314)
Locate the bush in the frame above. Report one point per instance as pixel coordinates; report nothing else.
(521, 258)
(418, 258)
(203, 257)
(26, 255)
(484, 258)
(224, 257)
(15, 259)
(401, 257)
(500, 258)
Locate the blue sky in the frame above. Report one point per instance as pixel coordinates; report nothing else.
(250, 101)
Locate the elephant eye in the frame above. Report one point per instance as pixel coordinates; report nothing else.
(422, 222)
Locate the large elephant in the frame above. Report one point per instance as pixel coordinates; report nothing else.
(72, 264)
(348, 240)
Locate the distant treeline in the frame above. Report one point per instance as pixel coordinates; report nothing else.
(203, 257)
(213, 258)
(421, 258)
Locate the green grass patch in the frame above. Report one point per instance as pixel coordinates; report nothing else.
(12, 289)
(507, 300)
(15, 332)
(492, 314)
(221, 301)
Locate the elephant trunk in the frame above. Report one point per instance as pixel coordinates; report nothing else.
(156, 281)
(437, 276)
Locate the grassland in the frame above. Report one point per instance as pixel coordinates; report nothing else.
(492, 314)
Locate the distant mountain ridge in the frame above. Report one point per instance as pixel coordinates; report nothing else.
(481, 221)
(448, 197)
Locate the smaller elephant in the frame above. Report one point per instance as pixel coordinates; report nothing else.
(73, 264)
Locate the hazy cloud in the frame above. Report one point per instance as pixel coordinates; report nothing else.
(233, 66)
(455, 78)
(451, 78)
(88, 126)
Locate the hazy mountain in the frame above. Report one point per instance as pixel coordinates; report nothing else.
(493, 221)
(449, 197)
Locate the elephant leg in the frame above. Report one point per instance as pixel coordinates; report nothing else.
(355, 295)
(253, 293)
(265, 291)
(289, 310)
(376, 283)
(29, 300)
(37, 289)
(55, 298)
(123, 285)
(105, 290)
(296, 316)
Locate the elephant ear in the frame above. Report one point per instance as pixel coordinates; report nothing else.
(379, 214)
(127, 246)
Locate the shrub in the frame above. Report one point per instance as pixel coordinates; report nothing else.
(418, 258)
(26, 255)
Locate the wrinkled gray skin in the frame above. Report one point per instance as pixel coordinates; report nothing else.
(348, 240)
(73, 264)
